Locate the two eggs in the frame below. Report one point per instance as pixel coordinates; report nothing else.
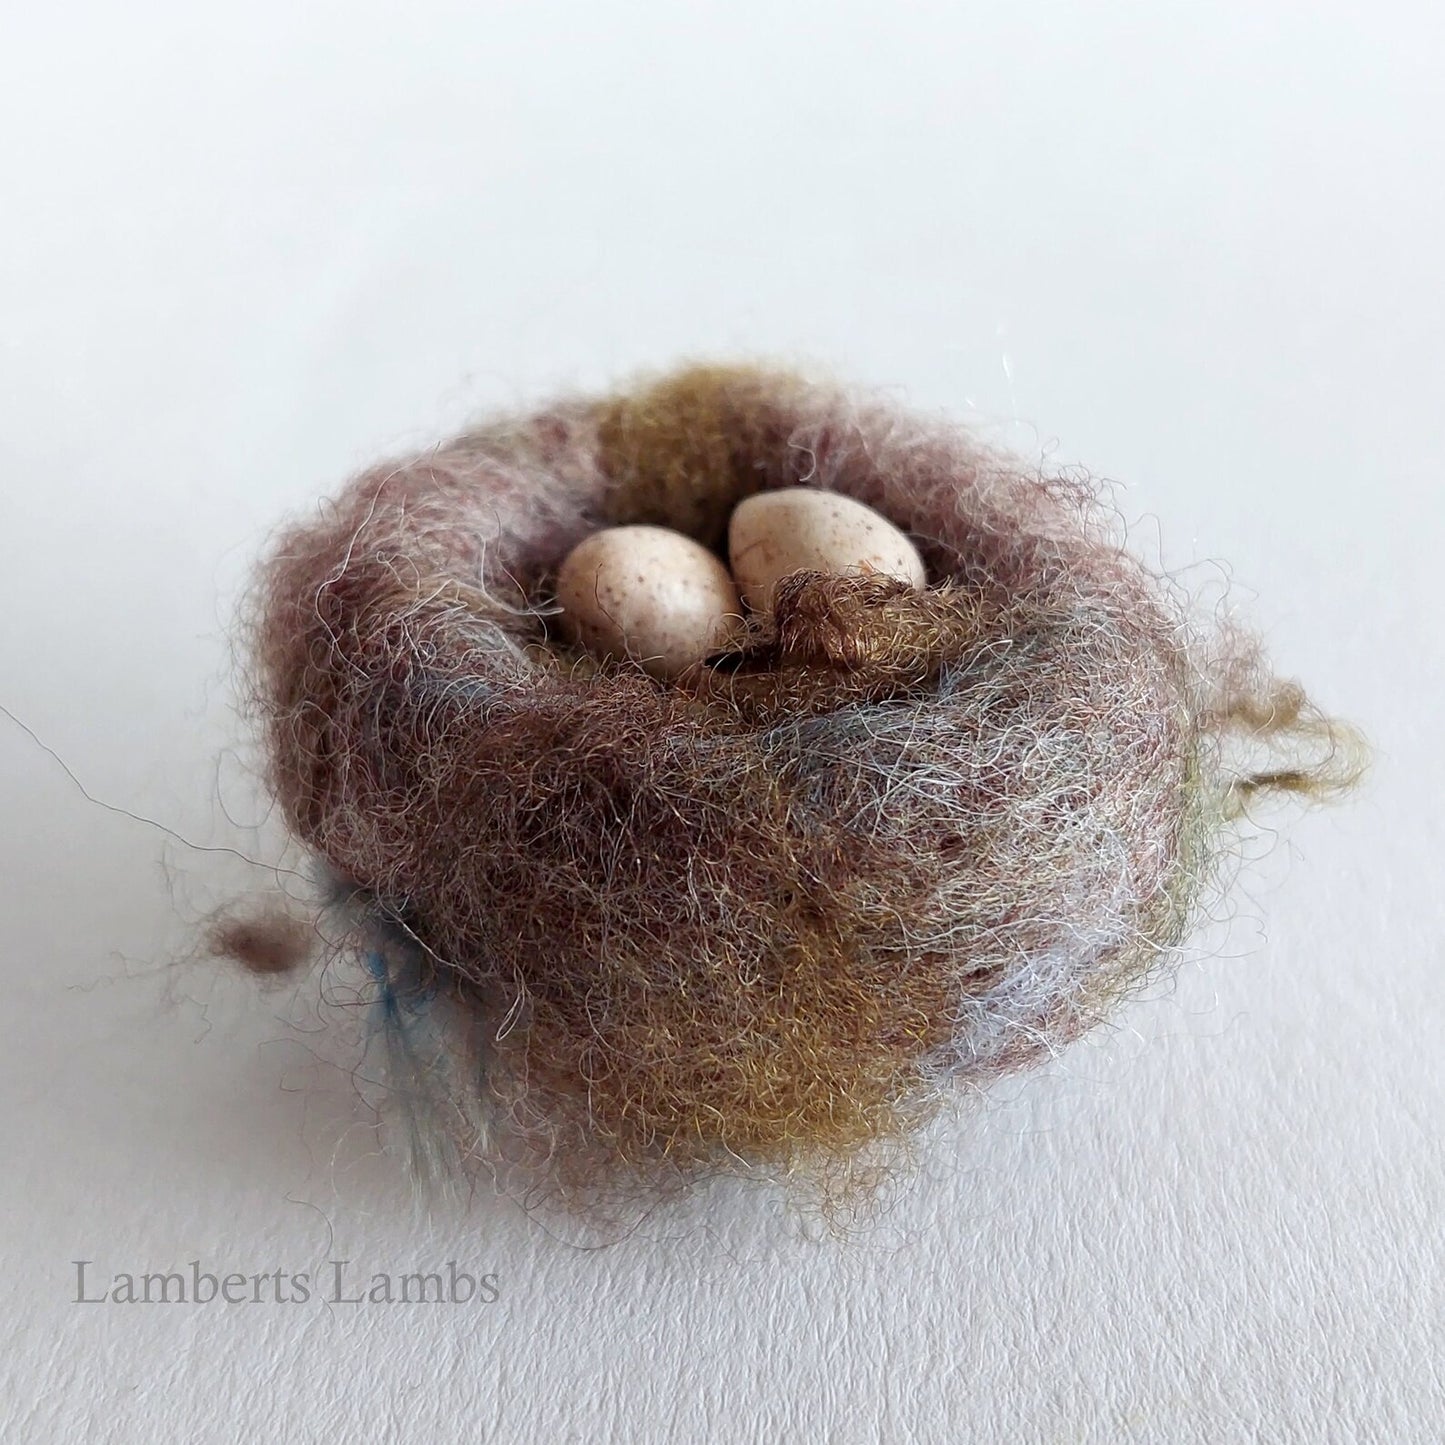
(666, 602)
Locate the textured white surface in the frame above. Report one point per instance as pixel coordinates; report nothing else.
(246, 248)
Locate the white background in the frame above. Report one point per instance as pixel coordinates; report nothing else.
(245, 249)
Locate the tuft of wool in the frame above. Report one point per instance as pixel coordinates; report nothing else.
(896, 842)
(264, 944)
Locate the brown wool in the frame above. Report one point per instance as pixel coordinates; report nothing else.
(272, 944)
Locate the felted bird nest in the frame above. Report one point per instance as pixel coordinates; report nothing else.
(893, 841)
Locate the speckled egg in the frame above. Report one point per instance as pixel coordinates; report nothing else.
(649, 594)
(800, 529)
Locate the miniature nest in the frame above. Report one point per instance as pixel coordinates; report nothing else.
(780, 907)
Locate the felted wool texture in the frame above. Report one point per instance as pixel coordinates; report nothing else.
(896, 843)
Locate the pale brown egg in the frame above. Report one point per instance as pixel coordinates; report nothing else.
(800, 529)
(649, 594)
